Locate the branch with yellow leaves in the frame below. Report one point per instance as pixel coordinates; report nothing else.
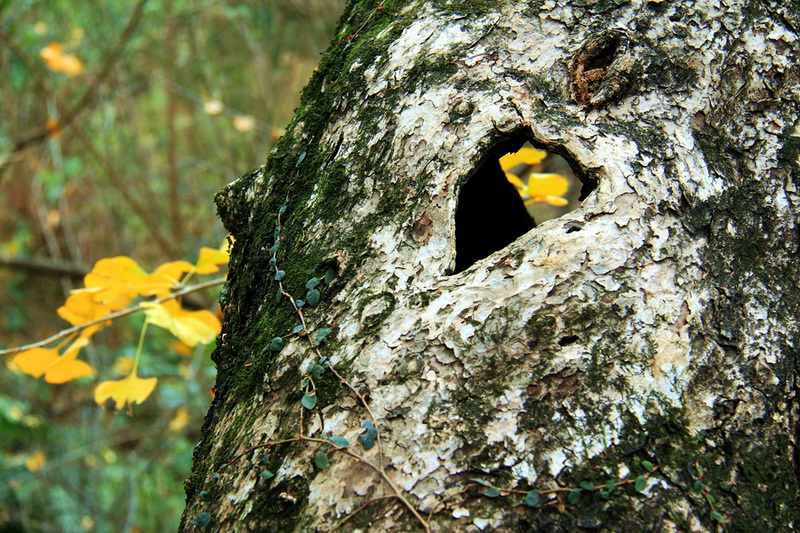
(112, 316)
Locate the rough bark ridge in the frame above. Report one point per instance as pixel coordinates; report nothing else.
(658, 322)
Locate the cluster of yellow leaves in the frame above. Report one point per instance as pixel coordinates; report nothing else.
(57, 61)
(111, 286)
(549, 188)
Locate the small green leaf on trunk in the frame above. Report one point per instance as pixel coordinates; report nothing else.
(341, 442)
(574, 496)
(313, 297)
(532, 499)
(277, 344)
(309, 400)
(321, 460)
(491, 492)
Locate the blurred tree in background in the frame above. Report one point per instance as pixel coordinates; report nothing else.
(119, 122)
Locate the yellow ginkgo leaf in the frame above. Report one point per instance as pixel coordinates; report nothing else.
(115, 281)
(81, 308)
(129, 390)
(165, 278)
(66, 369)
(527, 156)
(210, 258)
(57, 61)
(191, 327)
(55, 368)
(35, 361)
(547, 188)
(515, 181)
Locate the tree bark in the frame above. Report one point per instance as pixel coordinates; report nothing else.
(631, 365)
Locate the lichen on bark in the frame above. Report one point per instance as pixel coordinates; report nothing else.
(657, 323)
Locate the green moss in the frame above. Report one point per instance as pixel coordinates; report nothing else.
(278, 506)
(539, 84)
(466, 7)
(713, 147)
(789, 154)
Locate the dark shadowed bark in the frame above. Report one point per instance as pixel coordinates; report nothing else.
(629, 366)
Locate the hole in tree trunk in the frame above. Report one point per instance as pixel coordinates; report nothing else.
(515, 188)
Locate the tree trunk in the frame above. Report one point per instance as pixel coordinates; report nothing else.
(630, 366)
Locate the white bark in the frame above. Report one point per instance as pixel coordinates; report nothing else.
(656, 322)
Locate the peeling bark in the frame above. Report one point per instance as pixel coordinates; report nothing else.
(656, 323)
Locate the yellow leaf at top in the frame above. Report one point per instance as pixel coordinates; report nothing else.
(115, 281)
(129, 390)
(527, 156)
(191, 327)
(210, 258)
(57, 61)
(55, 368)
(165, 278)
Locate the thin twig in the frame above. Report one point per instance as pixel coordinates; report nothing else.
(251, 449)
(354, 35)
(361, 508)
(382, 473)
(366, 406)
(37, 265)
(113, 316)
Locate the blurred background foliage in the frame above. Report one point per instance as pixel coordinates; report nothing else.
(121, 156)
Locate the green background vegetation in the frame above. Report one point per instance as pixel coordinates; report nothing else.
(132, 175)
